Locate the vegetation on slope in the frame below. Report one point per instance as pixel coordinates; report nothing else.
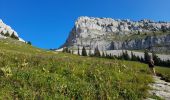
(30, 73)
(139, 35)
(164, 73)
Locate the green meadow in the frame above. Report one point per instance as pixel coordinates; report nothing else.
(27, 72)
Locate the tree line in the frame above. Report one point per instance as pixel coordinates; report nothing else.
(123, 56)
(8, 35)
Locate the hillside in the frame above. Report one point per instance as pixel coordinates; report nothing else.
(116, 34)
(7, 32)
(27, 72)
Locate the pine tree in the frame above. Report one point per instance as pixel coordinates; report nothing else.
(146, 56)
(90, 54)
(66, 50)
(107, 56)
(156, 59)
(138, 58)
(2, 33)
(126, 56)
(7, 34)
(69, 51)
(78, 51)
(14, 36)
(119, 56)
(84, 53)
(141, 59)
(97, 52)
(133, 57)
(103, 55)
(110, 56)
(167, 63)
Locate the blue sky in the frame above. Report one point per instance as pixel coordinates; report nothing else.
(47, 23)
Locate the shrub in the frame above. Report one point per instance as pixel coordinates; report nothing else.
(29, 43)
(164, 29)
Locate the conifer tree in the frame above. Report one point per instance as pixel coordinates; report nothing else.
(66, 50)
(107, 56)
(78, 51)
(84, 53)
(133, 57)
(7, 34)
(146, 56)
(126, 56)
(111, 56)
(103, 55)
(138, 58)
(156, 59)
(97, 52)
(69, 51)
(14, 36)
(90, 54)
(2, 33)
(141, 59)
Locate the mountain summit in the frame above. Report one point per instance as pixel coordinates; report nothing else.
(6, 32)
(114, 34)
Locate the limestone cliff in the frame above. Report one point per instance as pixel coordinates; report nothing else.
(111, 34)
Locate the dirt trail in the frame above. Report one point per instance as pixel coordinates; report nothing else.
(160, 88)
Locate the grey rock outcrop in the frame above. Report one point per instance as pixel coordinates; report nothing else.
(148, 42)
(5, 29)
(111, 34)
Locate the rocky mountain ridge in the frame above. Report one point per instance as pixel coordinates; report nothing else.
(114, 34)
(6, 31)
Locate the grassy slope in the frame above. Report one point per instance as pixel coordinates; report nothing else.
(27, 72)
(164, 72)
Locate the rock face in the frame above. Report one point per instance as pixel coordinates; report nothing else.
(148, 42)
(111, 34)
(6, 32)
